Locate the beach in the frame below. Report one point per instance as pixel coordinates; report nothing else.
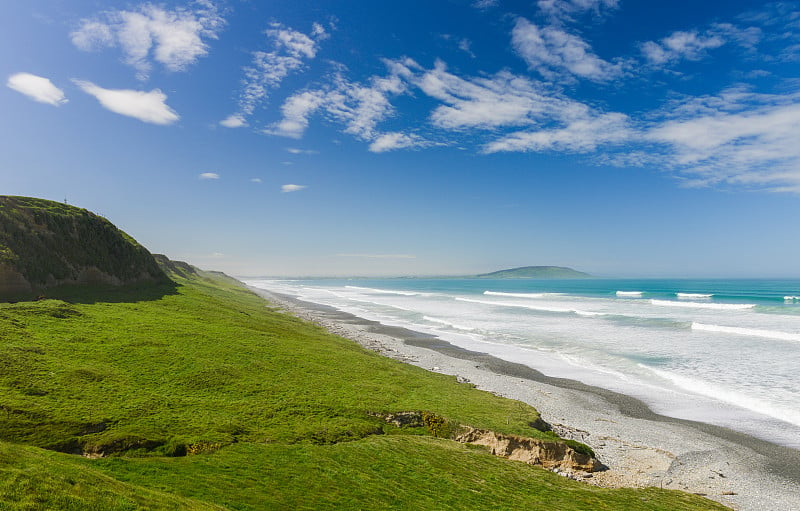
(638, 447)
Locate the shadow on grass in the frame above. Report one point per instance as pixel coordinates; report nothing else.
(141, 292)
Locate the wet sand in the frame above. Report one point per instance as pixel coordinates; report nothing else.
(639, 447)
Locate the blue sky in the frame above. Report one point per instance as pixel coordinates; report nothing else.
(622, 138)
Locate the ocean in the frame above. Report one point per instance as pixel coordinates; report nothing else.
(725, 352)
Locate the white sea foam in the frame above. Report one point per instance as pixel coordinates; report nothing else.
(540, 308)
(704, 305)
(518, 295)
(731, 396)
(791, 298)
(382, 291)
(629, 294)
(751, 332)
(448, 323)
(693, 296)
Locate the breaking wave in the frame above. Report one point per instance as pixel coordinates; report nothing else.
(704, 305)
(447, 323)
(383, 291)
(750, 332)
(693, 296)
(518, 295)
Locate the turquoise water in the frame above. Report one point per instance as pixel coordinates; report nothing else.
(719, 351)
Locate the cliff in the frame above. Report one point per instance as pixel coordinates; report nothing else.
(46, 244)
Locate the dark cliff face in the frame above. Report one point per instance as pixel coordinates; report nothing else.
(45, 244)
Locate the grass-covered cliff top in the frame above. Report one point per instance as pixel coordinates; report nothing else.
(49, 243)
(208, 399)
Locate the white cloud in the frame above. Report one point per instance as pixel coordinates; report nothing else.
(208, 175)
(565, 9)
(292, 188)
(553, 52)
(37, 88)
(581, 135)
(296, 43)
(174, 38)
(93, 36)
(256, 180)
(680, 45)
(392, 141)
(502, 100)
(145, 106)
(359, 107)
(290, 51)
(744, 139)
(295, 150)
(485, 4)
(296, 111)
(233, 121)
(466, 46)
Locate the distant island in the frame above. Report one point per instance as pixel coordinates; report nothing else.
(536, 272)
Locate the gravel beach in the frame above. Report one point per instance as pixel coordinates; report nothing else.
(639, 447)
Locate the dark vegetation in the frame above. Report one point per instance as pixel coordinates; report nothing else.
(52, 245)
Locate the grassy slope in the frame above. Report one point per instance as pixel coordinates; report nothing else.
(274, 411)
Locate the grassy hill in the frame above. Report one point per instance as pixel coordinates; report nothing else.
(206, 398)
(46, 244)
(536, 272)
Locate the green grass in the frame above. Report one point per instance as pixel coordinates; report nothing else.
(274, 412)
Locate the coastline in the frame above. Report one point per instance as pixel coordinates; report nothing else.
(640, 447)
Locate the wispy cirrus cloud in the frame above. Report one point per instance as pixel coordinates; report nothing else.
(558, 10)
(735, 138)
(395, 140)
(678, 46)
(358, 107)
(206, 176)
(467, 103)
(504, 99)
(485, 4)
(292, 188)
(291, 49)
(174, 38)
(694, 45)
(580, 135)
(38, 88)
(553, 52)
(147, 107)
(296, 111)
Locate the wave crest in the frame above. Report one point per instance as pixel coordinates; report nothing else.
(704, 305)
(750, 332)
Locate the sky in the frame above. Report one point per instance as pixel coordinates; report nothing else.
(331, 138)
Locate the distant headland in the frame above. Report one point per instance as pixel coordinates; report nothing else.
(536, 272)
